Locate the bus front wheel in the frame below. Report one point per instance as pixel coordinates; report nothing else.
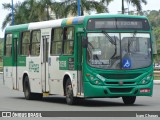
(129, 100)
(27, 92)
(69, 93)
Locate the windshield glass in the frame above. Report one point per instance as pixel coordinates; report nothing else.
(119, 50)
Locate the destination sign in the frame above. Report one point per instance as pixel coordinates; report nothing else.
(118, 23)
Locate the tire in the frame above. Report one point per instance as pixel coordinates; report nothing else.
(69, 93)
(129, 100)
(27, 91)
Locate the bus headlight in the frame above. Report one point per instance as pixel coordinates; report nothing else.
(91, 78)
(95, 80)
(145, 80)
(98, 82)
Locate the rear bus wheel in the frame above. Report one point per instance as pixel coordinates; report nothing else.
(129, 100)
(27, 92)
(69, 93)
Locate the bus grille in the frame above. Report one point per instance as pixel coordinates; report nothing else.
(116, 90)
(120, 76)
(117, 83)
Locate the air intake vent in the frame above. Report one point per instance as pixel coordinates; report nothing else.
(120, 76)
(117, 90)
(117, 83)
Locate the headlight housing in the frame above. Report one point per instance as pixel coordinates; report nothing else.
(146, 80)
(96, 80)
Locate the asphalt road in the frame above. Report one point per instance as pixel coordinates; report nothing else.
(11, 100)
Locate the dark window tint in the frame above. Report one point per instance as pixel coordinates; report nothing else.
(25, 43)
(8, 45)
(35, 43)
(69, 40)
(56, 42)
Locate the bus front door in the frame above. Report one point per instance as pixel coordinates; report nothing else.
(79, 61)
(45, 40)
(15, 61)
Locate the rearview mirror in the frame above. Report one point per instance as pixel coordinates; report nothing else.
(85, 42)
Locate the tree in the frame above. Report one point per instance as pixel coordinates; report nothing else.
(154, 18)
(58, 8)
(38, 10)
(86, 6)
(8, 18)
(26, 12)
(136, 3)
(44, 7)
(106, 2)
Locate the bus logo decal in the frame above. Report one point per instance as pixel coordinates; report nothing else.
(62, 64)
(33, 67)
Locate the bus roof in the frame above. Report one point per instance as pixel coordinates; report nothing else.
(113, 15)
(17, 28)
(65, 21)
(81, 19)
(45, 24)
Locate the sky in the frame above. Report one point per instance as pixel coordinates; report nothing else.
(113, 7)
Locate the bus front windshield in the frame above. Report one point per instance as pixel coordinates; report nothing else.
(119, 50)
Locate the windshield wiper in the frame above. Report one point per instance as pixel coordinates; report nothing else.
(112, 41)
(109, 37)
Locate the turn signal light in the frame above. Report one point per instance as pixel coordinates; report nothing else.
(87, 74)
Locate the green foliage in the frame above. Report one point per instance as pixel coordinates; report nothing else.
(28, 11)
(86, 6)
(135, 3)
(1, 52)
(154, 18)
(38, 10)
(1, 47)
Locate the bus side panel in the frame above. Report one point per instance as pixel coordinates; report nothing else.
(33, 66)
(21, 71)
(15, 83)
(8, 81)
(55, 76)
(68, 67)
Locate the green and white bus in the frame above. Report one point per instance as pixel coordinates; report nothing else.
(81, 57)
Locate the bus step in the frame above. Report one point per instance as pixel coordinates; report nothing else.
(45, 94)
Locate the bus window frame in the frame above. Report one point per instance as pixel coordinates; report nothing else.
(20, 50)
(52, 36)
(65, 27)
(30, 48)
(5, 44)
(121, 48)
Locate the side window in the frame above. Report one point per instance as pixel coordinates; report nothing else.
(35, 43)
(25, 43)
(56, 42)
(68, 40)
(8, 45)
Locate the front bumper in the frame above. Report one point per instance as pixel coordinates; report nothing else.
(91, 90)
